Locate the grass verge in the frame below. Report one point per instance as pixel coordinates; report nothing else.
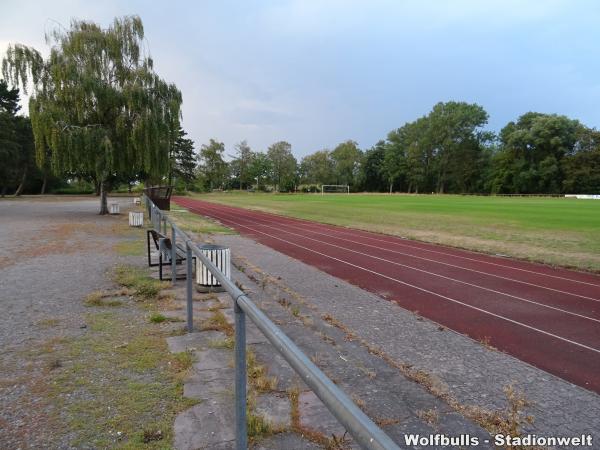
(555, 231)
(196, 223)
(117, 385)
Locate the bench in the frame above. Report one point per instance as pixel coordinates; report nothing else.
(163, 245)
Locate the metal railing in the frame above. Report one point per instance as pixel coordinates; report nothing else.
(366, 433)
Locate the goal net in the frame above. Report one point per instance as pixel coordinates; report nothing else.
(335, 189)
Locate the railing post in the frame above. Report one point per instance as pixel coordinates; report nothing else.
(241, 434)
(189, 280)
(173, 256)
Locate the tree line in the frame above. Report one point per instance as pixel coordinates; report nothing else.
(101, 115)
(446, 151)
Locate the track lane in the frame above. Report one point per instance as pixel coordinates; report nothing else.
(527, 273)
(519, 284)
(554, 352)
(587, 308)
(579, 330)
(586, 312)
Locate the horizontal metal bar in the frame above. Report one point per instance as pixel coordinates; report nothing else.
(358, 424)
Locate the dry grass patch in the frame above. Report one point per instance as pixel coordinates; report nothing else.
(430, 416)
(101, 298)
(218, 322)
(49, 322)
(117, 386)
(258, 376)
(138, 281)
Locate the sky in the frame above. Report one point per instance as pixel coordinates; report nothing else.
(318, 72)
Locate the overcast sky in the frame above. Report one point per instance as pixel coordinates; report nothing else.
(316, 73)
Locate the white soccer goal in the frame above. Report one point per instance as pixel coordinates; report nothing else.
(335, 189)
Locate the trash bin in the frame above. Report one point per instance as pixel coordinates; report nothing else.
(220, 256)
(136, 219)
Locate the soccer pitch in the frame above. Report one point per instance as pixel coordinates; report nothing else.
(555, 231)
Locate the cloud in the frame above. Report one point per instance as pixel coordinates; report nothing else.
(316, 73)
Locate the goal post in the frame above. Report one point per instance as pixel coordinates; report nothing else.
(335, 189)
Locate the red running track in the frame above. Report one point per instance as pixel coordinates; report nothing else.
(547, 317)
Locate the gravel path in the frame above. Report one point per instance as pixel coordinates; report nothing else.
(53, 254)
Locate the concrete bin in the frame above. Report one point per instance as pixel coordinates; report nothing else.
(221, 257)
(136, 219)
(114, 208)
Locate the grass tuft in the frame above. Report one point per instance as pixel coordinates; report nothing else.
(228, 343)
(136, 279)
(157, 318)
(100, 298)
(257, 425)
(218, 322)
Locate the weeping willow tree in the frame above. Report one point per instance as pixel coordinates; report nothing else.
(97, 106)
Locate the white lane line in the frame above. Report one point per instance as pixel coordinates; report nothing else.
(424, 271)
(417, 287)
(454, 265)
(403, 244)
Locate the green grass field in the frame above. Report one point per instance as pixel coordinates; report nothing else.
(556, 231)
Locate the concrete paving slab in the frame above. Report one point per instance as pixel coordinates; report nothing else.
(210, 385)
(213, 358)
(315, 416)
(288, 441)
(207, 425)
(275, 408)
(193, 341)
(287, 378)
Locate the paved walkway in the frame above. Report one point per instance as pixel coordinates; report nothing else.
(464, 369)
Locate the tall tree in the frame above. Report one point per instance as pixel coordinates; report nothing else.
(259, 169)
(532, 149)
(455, 133)
(318, 168)
(212, 164)
(17, 156)
(283, 165)
(97, 102)
(372, 176)
(9, 143)
(25, 159)
(183, 159)
(242, 160)
(346, 158)
(581, 165)
(394, 161)
(419, 157)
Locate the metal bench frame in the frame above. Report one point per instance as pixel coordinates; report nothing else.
(163, 245)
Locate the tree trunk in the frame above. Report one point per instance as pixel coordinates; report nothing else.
(3, 192)
(391, 186)
(43, 190)
(97, 187)
(20, 188)
(103, 199)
